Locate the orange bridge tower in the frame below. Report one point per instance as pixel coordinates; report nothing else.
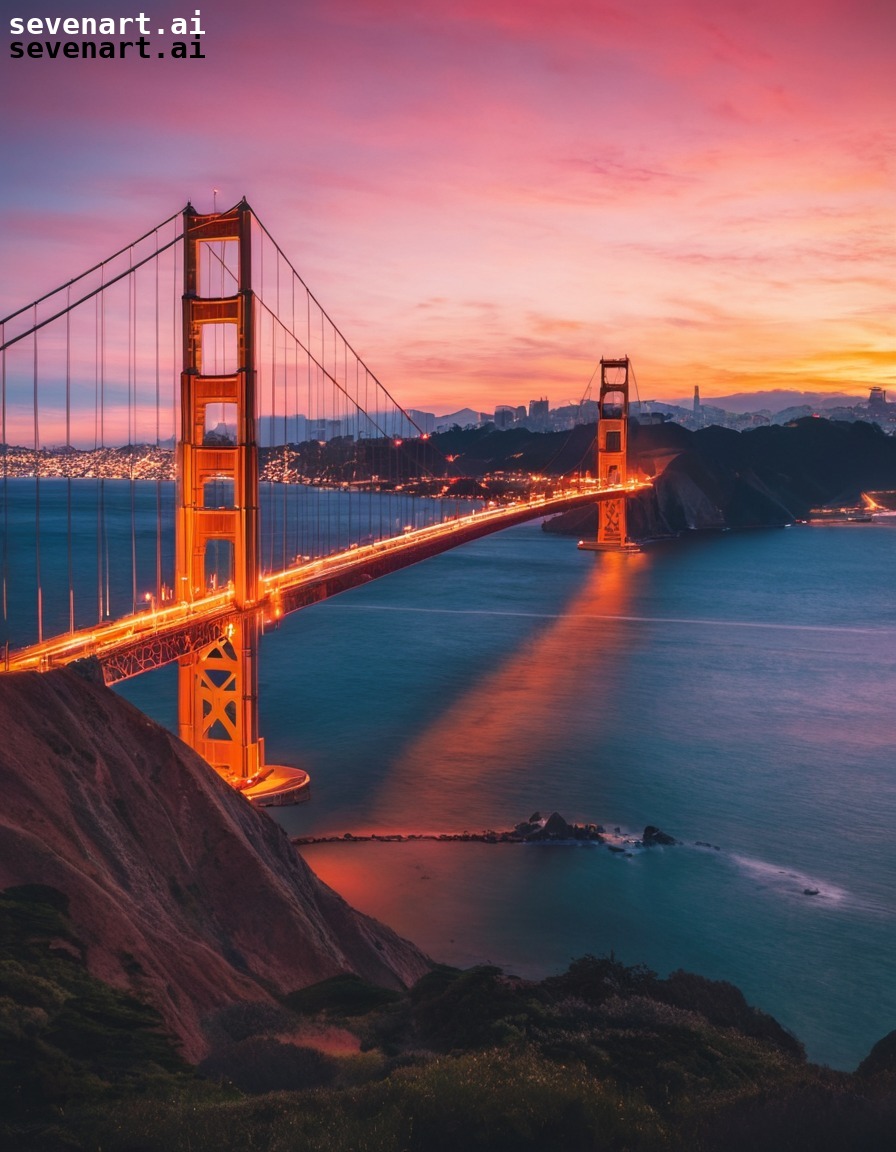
(612, 459)
(217, 519)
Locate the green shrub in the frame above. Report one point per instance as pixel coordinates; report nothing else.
(595, 979)
(478, 1008)
(345, 995)
(263, 1064)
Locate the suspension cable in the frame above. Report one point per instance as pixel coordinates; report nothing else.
(37, 325)
(89, 271)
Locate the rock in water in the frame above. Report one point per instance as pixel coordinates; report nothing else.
(555, 828)
(656, 836)
(181, 891)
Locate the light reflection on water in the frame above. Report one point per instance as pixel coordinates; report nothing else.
(462, 765)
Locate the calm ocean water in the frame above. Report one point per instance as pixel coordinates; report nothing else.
(736, 689)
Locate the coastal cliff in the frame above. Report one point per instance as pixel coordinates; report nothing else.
(180, 892)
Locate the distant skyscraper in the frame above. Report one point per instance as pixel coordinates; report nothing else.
(877, 398)
(696, 397)
(505, 416)
(539, 415)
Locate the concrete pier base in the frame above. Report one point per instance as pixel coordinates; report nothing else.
(594, 546)
(276, 786)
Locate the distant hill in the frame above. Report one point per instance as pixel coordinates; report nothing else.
(463, 418)
(777, 399)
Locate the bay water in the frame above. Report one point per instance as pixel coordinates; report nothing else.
(735, 689)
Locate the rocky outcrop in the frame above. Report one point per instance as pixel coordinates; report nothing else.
(652, 835)
(880, 1063)
(554, 828)
(180, 890)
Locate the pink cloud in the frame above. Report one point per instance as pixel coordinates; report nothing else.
(583, 163)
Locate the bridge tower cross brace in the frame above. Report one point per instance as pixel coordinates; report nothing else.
(218, 684)
(612, 458)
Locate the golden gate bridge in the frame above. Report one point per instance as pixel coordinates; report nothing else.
(198, 353)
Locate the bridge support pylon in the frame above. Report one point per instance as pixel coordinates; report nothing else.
(217, 527)
(612, 459)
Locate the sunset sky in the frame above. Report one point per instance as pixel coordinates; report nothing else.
(488, 195)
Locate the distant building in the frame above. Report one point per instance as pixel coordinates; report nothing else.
(539, 415)
(324, 429)
(569, 415)
(696, 397)
(505, 416)
(877, 399)
(425, 421)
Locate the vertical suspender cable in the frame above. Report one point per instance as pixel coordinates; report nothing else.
(311, 518)
(96, 443)
(284, 377)
(5, 497)
(322, 411)
(6, 493)
(272, 424)
(158, 433)
(346, 433)
(40, 607)
(272, 420)
(68, 445)
(175, 383)
(294, 487)
(284, 476)
(306, 549)
(329, 456)
(104, 538)
(132, 425)
(320, 435)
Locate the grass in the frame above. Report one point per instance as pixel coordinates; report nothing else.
(603, 1057)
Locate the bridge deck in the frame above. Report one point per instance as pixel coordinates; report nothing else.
(152, 638)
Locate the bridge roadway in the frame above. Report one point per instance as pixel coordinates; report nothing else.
(159, 635)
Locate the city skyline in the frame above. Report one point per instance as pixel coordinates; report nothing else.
(488, 198)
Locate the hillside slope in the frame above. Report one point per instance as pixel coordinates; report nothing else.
(181, 891)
